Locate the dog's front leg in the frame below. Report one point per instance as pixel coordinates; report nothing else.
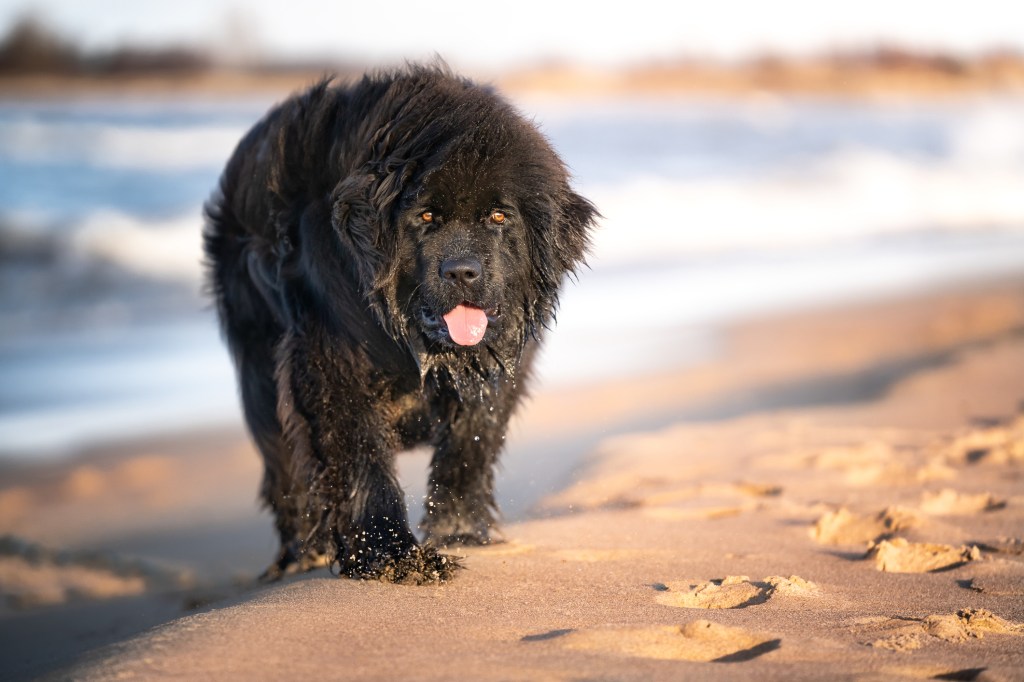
(344, 452)
(461, 508)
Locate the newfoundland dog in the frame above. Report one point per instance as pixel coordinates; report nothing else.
(384, 257)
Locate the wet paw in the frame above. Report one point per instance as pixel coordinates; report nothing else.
(415, 566)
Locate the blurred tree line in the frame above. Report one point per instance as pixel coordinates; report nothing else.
(33, 48)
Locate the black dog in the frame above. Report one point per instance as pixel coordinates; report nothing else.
(384, 257)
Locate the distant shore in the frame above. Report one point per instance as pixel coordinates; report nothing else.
(873, 76)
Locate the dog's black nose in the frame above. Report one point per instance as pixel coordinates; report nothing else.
(461, 270)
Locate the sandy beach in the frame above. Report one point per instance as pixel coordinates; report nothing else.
(776, 433)
(837, 493)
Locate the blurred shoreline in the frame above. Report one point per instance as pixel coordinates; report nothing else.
(882, 73)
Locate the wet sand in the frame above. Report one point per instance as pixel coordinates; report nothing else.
(837, 487)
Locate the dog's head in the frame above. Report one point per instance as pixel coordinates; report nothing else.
(464, 223)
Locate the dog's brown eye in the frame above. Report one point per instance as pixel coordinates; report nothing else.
(427, 217)
(497, 217)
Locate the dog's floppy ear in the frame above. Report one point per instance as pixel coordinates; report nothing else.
(557, 250)
(357, 225)
(361, 214)
(572, 230)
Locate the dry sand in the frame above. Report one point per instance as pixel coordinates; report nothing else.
(839, 494)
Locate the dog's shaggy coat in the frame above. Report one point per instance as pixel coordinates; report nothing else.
(384, 257)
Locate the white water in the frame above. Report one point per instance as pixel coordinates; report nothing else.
(106, 145)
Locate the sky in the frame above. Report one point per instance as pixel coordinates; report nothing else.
(520, 32)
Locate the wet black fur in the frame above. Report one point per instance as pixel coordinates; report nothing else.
(327, 282)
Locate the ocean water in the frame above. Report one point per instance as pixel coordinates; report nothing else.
(713, 211)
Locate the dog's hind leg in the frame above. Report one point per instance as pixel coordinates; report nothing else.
(252, 329)
(276, 492)
(256, 363)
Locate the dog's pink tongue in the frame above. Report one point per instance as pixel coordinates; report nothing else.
(466, 325)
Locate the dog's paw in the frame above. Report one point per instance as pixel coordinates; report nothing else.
(421, 566)
(476, 539)
(292, 559)
(462, 530)
(415, 566)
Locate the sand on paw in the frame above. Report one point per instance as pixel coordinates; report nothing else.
(900, 556)
(700, 640)
(843, 527)
(731, 592)
(949, 501)
(908, 634)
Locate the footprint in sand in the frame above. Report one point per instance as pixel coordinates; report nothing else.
(950, 502)
(879, 463)
(843, 527)
(900, 556)
(700, 640)
(995, 445)
(731, 592)
(998, 577)
(1012, 546)
(998, 586)
(908, 634)
(891, 554)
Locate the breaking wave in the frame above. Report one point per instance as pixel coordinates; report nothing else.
(851, 195)
(107, 145)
